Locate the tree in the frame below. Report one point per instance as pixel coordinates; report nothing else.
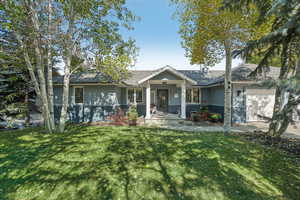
(92, 33)
(209, 34)
(17, 92)
(281, 41)
(78, 33)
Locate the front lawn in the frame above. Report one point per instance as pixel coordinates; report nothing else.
(141, 163)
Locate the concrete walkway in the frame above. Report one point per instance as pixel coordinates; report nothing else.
(293, 131)
(195, 128)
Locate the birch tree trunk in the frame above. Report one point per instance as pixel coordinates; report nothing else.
(65, 99)
(68, 51)
(40, 70)
(49, 65)
(227, 89)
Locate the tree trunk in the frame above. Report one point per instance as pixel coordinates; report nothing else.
(227, 89)
(68, 52)
(27, 114)
(279, 94)
(41, 71)
(49, 65)
(65, 99)
(284, 116)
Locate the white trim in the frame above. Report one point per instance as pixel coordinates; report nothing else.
(134, 97)
(85, 84)
(168, 94)
(148, 101)
(170, 69)
(214, 85)
(74, 94)
(246, 82)
(183, 100)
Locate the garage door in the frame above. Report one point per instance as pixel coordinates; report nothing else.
(259, 102)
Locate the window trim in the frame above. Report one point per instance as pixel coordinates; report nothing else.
(192, 95)
(134, 93)
(75, 95)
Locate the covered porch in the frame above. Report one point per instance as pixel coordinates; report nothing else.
(166, 94)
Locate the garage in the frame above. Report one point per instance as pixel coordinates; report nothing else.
(259, 102)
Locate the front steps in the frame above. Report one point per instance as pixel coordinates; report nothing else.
(165, 119)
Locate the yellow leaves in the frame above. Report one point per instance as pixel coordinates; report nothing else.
(205, 27)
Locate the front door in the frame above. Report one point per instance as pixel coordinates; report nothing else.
(162, 100)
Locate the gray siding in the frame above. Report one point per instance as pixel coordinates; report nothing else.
(204, 96)
(100, 102)
(93, 95)
(123, 97)
(216, 96)
(102, 95)
(58, 91)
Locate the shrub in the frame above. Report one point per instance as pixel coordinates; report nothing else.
(132, 113)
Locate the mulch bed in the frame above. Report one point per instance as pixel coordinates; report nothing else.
(289, 145)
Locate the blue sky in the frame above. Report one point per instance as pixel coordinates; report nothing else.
(156, 35)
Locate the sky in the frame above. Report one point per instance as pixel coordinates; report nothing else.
(157, 37)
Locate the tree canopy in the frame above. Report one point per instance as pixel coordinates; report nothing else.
(79, 34)
(205, 27)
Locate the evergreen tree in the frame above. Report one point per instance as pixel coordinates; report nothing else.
(281, 41)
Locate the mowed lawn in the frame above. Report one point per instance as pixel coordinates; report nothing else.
(141, 163)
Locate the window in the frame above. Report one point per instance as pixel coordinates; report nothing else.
(193, 95)
(188, 95)
(131, 95)
(78, 95)
(139, 95)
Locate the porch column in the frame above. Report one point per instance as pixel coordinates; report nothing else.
(148, 99)
(134, 96)
(183, 103)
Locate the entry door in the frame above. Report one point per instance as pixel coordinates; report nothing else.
(162, 100)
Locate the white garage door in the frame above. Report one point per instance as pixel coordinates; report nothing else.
(259, 102)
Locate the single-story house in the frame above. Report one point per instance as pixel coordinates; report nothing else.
(95, 96)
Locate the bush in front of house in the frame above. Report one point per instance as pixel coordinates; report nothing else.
(215, 117)
(132, 115)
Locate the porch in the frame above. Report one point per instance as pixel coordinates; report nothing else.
(165, 94)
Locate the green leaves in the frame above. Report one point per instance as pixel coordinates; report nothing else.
(205, 27)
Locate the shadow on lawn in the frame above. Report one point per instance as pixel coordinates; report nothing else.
(140, 163)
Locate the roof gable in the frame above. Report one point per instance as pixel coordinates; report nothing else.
(165, 76)
(170, 70)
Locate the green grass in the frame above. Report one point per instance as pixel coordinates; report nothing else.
(141, 163)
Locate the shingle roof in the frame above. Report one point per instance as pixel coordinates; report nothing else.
(137, 75)
(85, 77)
(203, 78)
(240, 73)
